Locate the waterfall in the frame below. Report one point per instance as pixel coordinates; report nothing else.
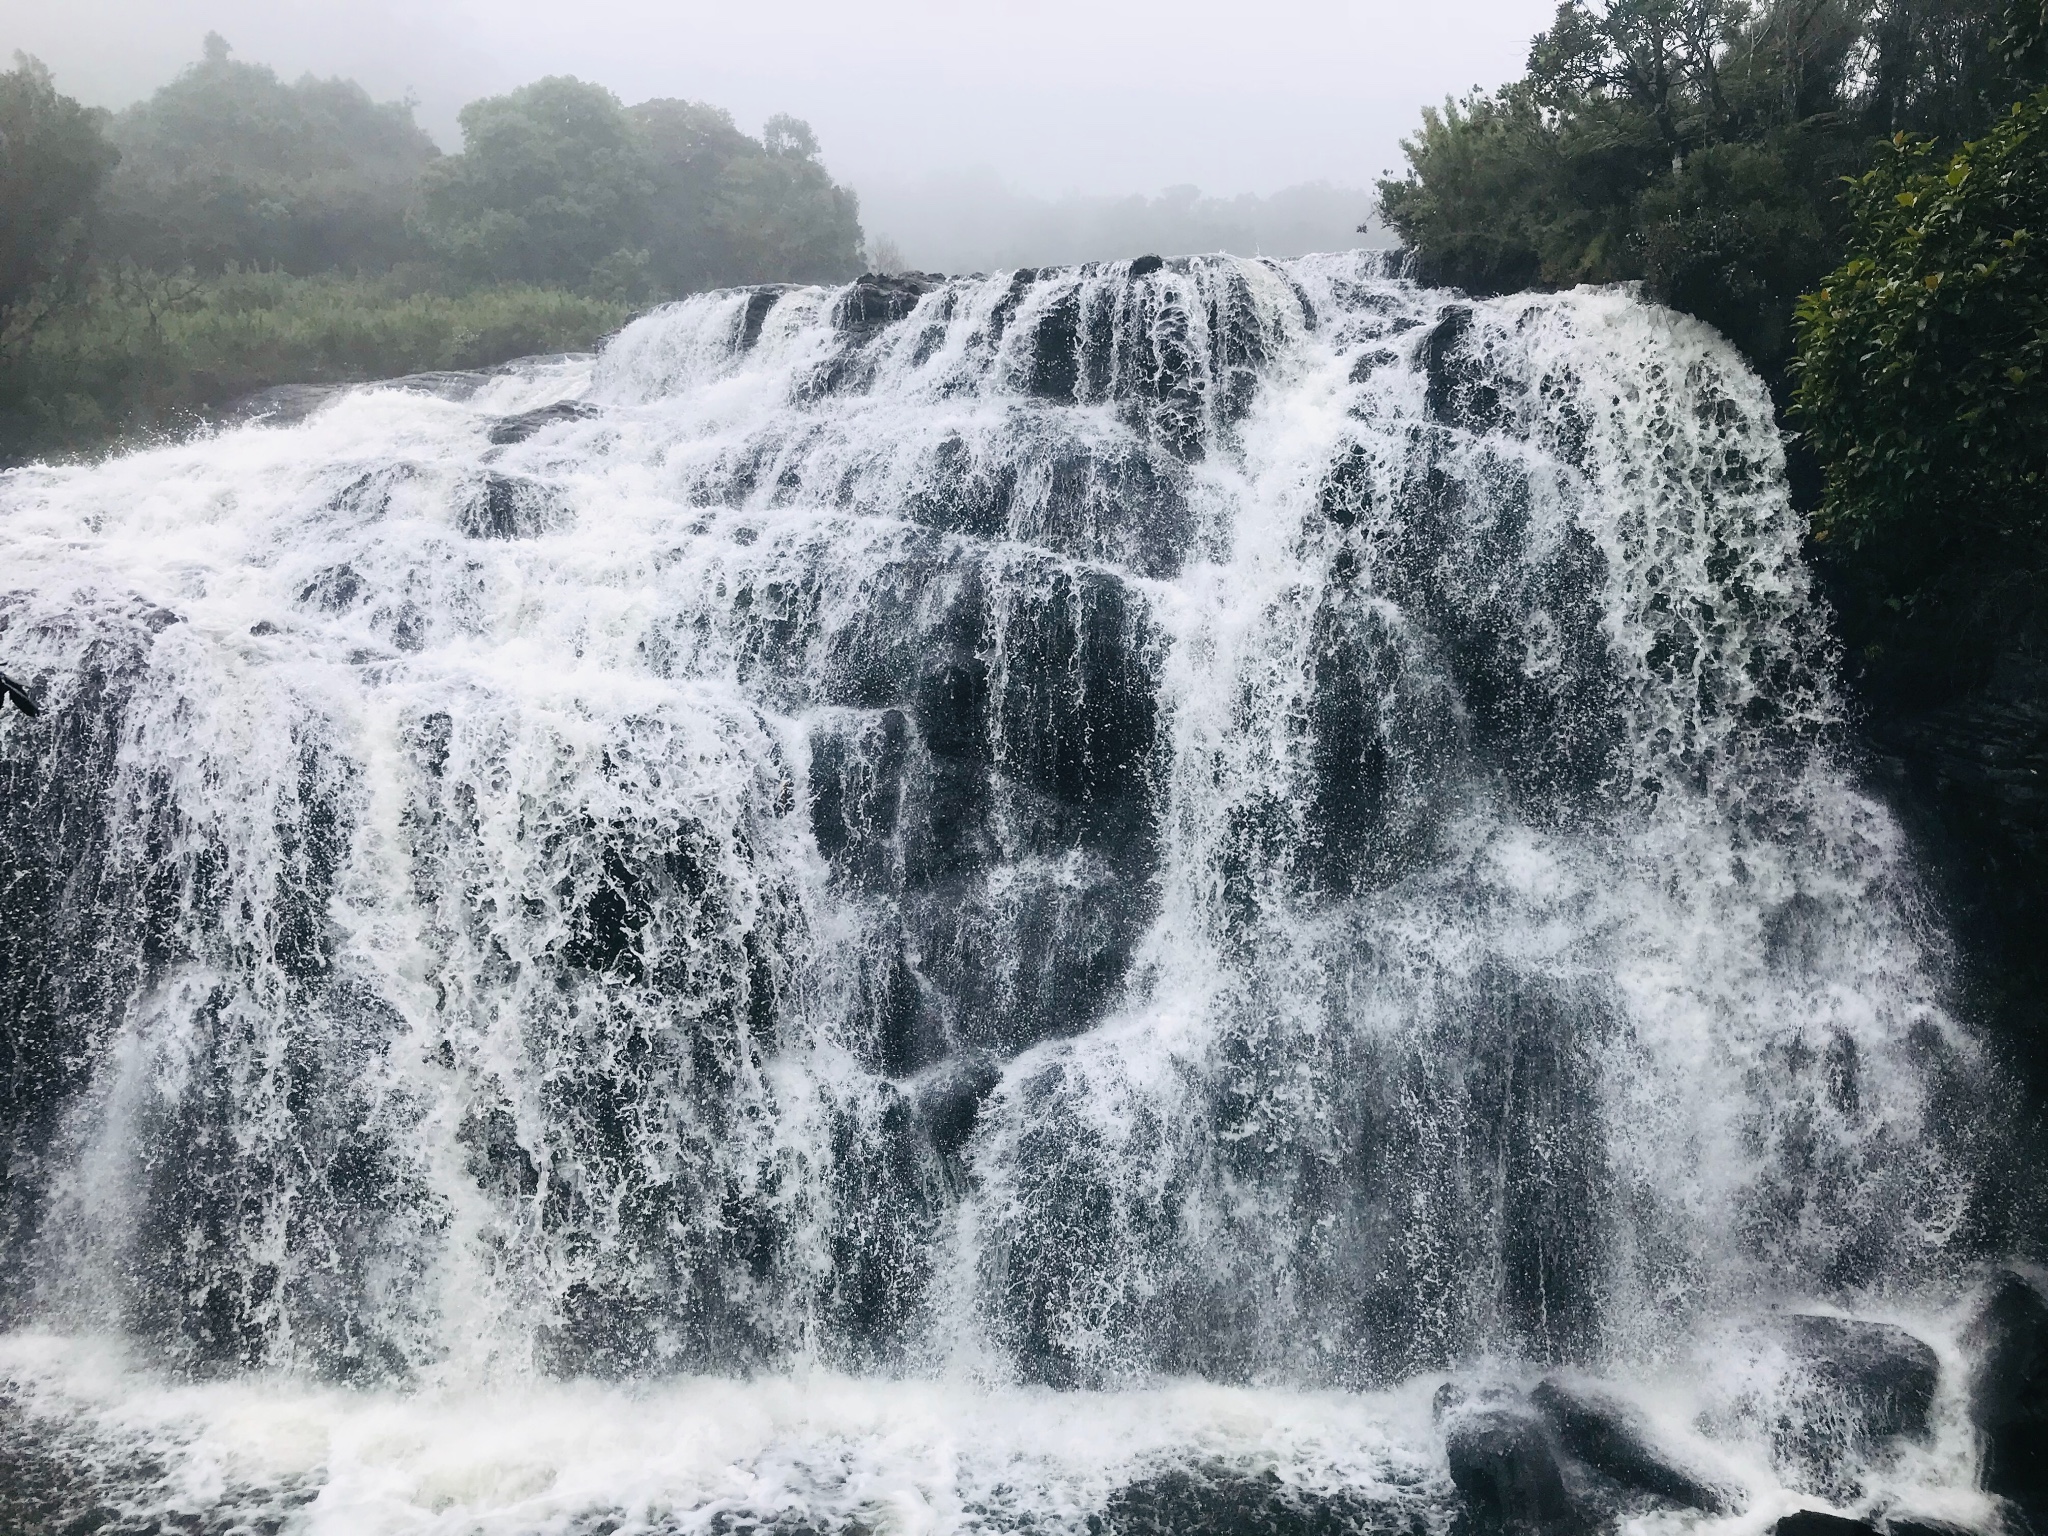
(1225, 837)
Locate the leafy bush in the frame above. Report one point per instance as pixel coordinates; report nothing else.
(1923, 373)
(150, 352)
(1696, 145)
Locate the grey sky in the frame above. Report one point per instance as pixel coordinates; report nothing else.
(1052, 96)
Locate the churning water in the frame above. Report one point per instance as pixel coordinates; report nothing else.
(1026, 902)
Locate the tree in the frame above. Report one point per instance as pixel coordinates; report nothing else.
(228, 165)
(727, 208)
(552, 186)
(1923, 387)
(1696, 145)
(53, 160)
(788, 221)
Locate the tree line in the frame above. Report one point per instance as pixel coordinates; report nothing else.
(236, 229)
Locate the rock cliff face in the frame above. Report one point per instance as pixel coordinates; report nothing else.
(1967, 766)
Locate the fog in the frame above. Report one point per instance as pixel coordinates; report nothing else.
(977, 134)
(974, 221)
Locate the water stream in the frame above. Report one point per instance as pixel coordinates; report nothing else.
(944, 906)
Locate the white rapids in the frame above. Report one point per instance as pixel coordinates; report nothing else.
(921, 906)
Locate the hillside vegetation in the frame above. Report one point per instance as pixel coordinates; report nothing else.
(236, 230)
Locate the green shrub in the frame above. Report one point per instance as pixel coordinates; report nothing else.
(1696, 145)
(1923, 377)
(149, 352)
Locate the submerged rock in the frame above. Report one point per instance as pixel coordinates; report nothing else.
(1505, 1465)
(1879, 1378)
(517, 429)
(1829, 1396)
(1231, 1502)
(507, 507)
(2009, 1391)
(1616, 1441)
(1818, 1522)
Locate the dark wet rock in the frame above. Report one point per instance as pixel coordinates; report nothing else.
(333, 589)
(876, 299)
(1460, 391)
(1917, 1527)
(857, 776)
(2009, 1391)
(1055, 349)
(283, 405)
(441, 383)
(1145, 266)
(1877, 1375)
(19, 696)
(154, 619)
(948, 1101)
(1505, 1464)
(1818, 1522)
(1221, 1501)
(1347, 492)
(517, 429)
(1519, 626)
(1846, 1392)
(759, 302)
(1616, 1441)
(1383, 732)
(507, 507)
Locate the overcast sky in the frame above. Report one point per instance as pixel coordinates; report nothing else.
(1052, 96)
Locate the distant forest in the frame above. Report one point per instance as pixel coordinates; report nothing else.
(236, 230)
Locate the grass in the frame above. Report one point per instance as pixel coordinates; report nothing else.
(148, 353)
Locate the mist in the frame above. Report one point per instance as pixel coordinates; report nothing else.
(974, 221)
(1045, 99)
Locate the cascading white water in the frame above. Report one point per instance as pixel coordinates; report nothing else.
(1103, 829)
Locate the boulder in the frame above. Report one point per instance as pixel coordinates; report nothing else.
(517, 429)
(507, 507)
(1505, 1465)
(876, 300)
(1818, 1522)
(1616, 1441)
(1237, 1501)
(1841, 1391)
(2009, 1391)
(1876, 1376)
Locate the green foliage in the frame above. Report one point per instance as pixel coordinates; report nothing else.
(231, 236)
(150, 352)
(229, 166)
(558, 183)
(551, 185)
(730, 209)
(53, 158)
(1923, 372)
(1696, 145)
